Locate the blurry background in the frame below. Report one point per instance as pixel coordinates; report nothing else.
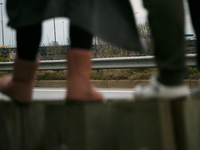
(54, 50)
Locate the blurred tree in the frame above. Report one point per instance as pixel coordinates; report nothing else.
(2, 58)
(54, 51)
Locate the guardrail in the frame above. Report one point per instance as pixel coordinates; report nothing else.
(105, 63)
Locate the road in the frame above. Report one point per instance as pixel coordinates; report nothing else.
(60, 93)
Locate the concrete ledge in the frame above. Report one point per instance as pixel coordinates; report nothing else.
(106, 83)
(99, 83)
(124, 83)
(51, 83)
(186, 124)
(111, 125)
(194, 83)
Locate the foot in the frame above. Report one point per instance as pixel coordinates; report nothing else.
(79, 74)
(157, 90)
(95, 96)
(89, 94)
(20, 85)
(18, 91)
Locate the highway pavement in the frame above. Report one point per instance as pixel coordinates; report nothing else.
(60, 94)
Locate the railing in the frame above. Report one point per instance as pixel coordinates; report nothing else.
(105, 63)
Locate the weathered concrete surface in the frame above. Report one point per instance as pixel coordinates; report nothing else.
(111, 125)
(186, 117)
(145, 125)
(51, 83)
(106, 83)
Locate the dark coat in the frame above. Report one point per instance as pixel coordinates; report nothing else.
(111, 20)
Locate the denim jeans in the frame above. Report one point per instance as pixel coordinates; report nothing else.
(166, 20)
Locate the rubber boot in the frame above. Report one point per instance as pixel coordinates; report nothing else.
(19, 86)
(79, 73)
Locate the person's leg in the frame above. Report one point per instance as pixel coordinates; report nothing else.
(194, 11)
(19, 86)
(28, 40)
(166, 20)
(80, 38)
(79, 67)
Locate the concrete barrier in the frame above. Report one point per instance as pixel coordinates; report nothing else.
(111, 125)
(186, 117)
(106, 83)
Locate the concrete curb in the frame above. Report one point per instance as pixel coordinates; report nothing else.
(106, 83)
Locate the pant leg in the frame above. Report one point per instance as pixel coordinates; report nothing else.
(166, 20)
(28, 40)
(194, 11)
(80, 38)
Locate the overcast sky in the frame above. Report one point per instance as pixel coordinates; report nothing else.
(62, 25)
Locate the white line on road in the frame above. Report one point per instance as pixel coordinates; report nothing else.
(38, 90)
(117, 91)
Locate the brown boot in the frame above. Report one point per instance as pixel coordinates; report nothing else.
(79, 73)
(19, 86)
